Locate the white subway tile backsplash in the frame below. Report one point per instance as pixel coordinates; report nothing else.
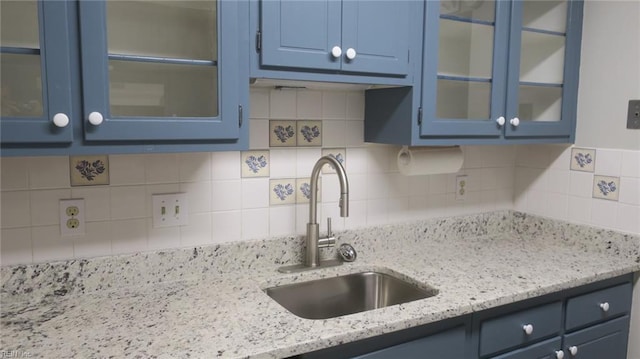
(48, 245)
(15, 209)
(226, 226)
(438, 184)
(579, 209)
(49, 172)
(97, 202)
(194, 167)
(557, 206)
(357, 160)
(378, 158)
(334, 133)
(560, 156)
(226, 165)
(329, 210)
(378, 186)
(357, 214)
(305, 160)
(259, 103)
(609, 162)
(628, 218)
(474, 156)
(226, 195)
(355, 105)
(580, 184)
(45, 206)
(198, 232)
(397, 208)
(334, 105)
(255, 223)
(163, 237)
(14, 173)
(358, 187)
(282, 104)
(127, 169)
(161, 168)
(603, 213)
(16, 246)
(309, 104)
(128, 236)
(282, 220)
(255, 193)
(354, 133)
(198, 196)
(128, 202)
(258, 134)
(283, 163)
(377, 213)
(630, 191)
(630, 164)
(533, 156)
(95, 242)
(557, 180)
(399, 185)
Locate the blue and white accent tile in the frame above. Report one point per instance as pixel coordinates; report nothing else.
(583, 159)
(89, 170)
(255, 164)
(339, 153)
(282, 134)
(282, 191)
(309, 133)
(606, 187)
(303, 190)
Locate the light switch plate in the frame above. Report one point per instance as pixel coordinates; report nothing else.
(72, 217)
(633, 115)
(170, 210)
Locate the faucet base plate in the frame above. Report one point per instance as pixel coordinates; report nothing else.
(303, 268)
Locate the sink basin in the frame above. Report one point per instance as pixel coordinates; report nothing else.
(348, 294)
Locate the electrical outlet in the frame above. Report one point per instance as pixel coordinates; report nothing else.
(461, 187)
(71, 217)
(633, 115)
(170, 209)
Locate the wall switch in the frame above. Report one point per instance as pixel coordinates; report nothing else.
(461, 187)
(633, 115)
(71, 217)
(170, 209)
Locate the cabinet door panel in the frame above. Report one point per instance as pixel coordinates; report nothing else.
(36, 72)
(300, 33)
(164, 90)
(379, 32)
(544, 350)
(446, 345)
(608, 340)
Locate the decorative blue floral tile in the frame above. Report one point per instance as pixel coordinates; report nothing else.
(303, 188)
(255, 163)
(89, 170)
(309, 133)
(606, 187)
(339, 153)
(583, 159)
(282, 191)
(282, 133)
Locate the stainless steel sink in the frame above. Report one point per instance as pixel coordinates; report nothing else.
(348, 294)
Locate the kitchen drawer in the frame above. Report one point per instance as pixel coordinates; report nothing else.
(607, 340)
(544, 350)
(590, 308)
(507, 331)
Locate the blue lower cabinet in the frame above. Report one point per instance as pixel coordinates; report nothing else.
(548, 349)
(446, 345)
(602, 341)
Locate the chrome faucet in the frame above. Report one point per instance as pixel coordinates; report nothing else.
(313, 240)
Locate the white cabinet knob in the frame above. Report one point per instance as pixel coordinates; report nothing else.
(573, 350)
(604, 306)
(501, 121)
(95, 118)
(515, 122)
(60, 120)
(528, 329)
(336, 51)
(559, 354)
(351, 53)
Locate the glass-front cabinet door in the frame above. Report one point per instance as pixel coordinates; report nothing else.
(36, 93)
(543, 71)
(151, 70)
(465, 80)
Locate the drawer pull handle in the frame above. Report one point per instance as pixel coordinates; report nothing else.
(604, 306)
(528, 329)
(573, 350)
(559, 354)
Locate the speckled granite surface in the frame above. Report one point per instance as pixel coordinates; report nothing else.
(208, 302)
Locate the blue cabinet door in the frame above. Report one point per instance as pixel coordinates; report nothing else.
(544, 64)
(131, 96)
(464, 77)
(608, 340)
(301, 34)
(29, 119)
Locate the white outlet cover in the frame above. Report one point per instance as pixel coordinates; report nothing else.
(462, 185)
(76, 228)
(176, 210)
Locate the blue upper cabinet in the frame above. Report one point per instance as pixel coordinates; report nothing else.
(493, 72)
(36, 71)
(343, 41)
(85, 77)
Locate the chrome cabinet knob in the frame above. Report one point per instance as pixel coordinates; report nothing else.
(60, 120)
(95, 118)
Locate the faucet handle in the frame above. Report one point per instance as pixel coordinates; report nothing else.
(329, 234)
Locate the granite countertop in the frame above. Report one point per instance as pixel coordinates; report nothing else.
(209, 301)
